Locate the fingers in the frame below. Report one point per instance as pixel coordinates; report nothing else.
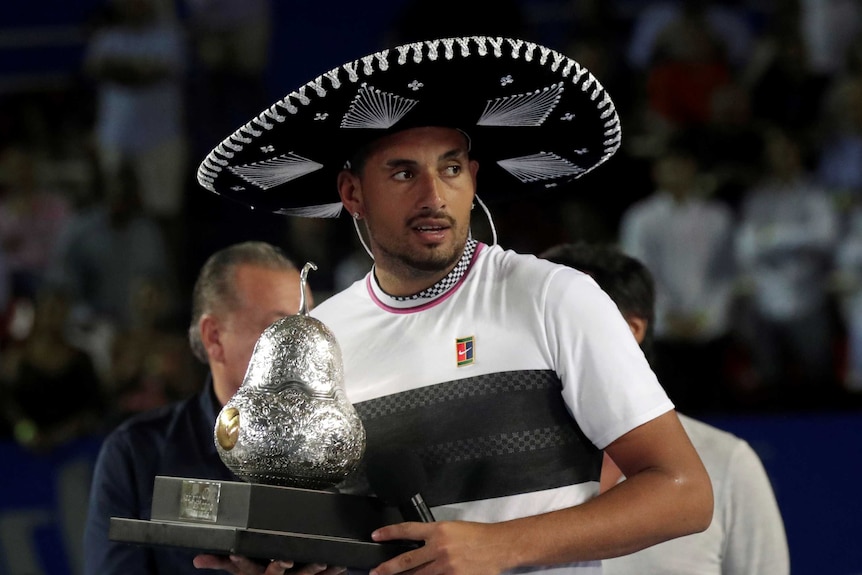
(205, 561)
(405, 563)
(410, 531)
(412, 560)
(238, 565)
(317, 569)
(276, 568)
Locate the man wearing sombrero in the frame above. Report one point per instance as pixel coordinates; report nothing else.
(507, 375)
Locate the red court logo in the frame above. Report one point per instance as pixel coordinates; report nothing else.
(464, 348)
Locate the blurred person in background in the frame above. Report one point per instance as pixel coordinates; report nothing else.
(31, 218)
(103, 253)
(138, 59)
(839, 161)
(839, 169)
(847, 282)
(784, 247)
(730, 144)
(240, 291)
(747, 533)
(785, 88)
(5, 291)
(50, 390)
(728, 22)
(686, 238)
(829, 28)
(689, 63)
(230, 43)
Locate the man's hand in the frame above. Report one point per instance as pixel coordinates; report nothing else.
(237, 565)
(451, 547)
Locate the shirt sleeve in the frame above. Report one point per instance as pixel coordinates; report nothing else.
(608, 384)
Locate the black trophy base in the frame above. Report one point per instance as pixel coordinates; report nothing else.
(256, 543)
(264, 522)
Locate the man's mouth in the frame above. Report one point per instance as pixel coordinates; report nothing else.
(432, 232)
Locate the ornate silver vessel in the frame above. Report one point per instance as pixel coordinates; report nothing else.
(290, 422)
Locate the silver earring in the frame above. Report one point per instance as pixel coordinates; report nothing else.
(356, 215)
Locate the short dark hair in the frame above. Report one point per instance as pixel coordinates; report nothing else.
(215, 287)
(357, 160)
(625, 279)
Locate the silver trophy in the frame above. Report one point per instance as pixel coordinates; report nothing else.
(291, 434)
(290, 422)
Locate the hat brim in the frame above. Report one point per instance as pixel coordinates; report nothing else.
(536, 119)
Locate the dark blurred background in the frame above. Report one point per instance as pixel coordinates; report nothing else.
(738, 183)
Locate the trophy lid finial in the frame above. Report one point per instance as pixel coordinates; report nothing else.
(303, 282)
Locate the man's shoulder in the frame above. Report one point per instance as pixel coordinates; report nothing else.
(152, 424)
(526, 277)
(508, 261)
(699, 428)
(716, 446)
(347, 297)
(534, 270)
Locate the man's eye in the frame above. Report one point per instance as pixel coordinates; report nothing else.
(403, 175)
(453, 170)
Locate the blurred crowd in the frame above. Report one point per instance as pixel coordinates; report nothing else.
(739, 184)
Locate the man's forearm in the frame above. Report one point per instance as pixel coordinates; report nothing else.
(639, 512)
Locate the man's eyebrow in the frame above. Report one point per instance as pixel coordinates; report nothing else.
(453, 153)
(400, 163)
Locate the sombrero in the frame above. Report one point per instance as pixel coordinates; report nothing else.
(536, 119)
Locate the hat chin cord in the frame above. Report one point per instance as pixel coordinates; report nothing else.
(490, 220)
(477, 198)
(361, 239)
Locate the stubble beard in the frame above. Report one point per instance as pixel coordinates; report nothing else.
(425, 262)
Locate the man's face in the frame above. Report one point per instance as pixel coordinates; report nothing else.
(676, 174)
(415, 192)
(264, 296)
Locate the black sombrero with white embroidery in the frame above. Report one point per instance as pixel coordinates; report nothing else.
(536, 119)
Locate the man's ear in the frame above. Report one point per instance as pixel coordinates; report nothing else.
(350, 191)
(638, 325)
(211, 338)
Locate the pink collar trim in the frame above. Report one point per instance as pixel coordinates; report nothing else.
(386, 303)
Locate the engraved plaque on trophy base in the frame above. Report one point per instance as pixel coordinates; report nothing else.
(264, 522)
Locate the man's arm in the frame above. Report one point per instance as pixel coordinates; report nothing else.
(667, 494)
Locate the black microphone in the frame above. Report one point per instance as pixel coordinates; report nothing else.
(398, 478)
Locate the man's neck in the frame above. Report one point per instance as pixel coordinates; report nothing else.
(403, 282)
(221, 389)
(400, 284)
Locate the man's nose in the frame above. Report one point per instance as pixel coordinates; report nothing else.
(430, 191)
